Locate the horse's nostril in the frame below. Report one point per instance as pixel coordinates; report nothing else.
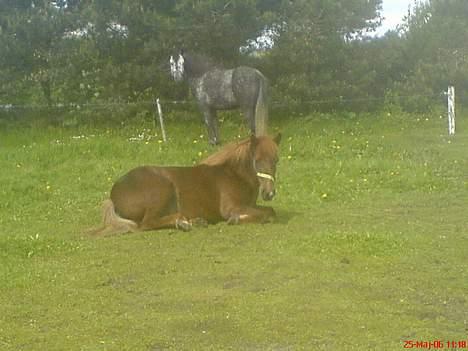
(268, 195)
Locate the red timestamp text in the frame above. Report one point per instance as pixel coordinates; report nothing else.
(435, 344)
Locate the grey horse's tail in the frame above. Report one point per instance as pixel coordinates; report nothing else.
(112, 222)
(261, 108)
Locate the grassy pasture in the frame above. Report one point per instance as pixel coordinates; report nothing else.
(369, 250)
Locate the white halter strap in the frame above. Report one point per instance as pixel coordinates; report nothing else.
(263, 175)
(266, 176)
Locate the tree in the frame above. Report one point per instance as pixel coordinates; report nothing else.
(106, 50)
(310, 58)
(435, 50)
(30, 34)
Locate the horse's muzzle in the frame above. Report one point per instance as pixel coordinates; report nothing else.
(268, 195)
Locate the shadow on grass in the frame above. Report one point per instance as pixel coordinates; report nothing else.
(285, 216)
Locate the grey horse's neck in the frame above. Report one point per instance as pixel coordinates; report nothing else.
(197, 65)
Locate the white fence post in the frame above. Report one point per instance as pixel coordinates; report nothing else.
(451, 110)
(161, 120)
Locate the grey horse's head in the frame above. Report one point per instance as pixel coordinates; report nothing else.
(177, 65)
(187, 66)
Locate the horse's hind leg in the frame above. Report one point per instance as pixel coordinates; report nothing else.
(151, 221)
(211, 122)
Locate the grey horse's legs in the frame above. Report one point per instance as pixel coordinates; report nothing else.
(211, 122)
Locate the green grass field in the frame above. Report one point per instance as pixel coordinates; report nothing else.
(369, 250)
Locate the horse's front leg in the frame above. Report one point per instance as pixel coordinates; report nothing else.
(151, 221)
(211, 122)
(257, 214)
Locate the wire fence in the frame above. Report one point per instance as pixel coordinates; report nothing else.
(102, 105)
(72, 114)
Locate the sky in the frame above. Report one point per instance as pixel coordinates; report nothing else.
(393, 11)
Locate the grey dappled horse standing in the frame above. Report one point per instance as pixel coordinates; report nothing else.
(224, 89)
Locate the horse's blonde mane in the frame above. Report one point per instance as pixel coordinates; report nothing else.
(237, 152)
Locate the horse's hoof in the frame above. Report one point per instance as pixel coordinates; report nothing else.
(233, 220)
(199, 222)
(183, 224)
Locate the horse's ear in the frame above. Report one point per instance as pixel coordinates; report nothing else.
(277, 139)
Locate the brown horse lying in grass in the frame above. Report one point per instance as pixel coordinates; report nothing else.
(223, 187)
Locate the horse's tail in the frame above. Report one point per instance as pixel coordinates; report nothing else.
(261, 108)
(112, 223)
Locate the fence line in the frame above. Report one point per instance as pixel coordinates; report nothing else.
(349, 100)
(86, 105)
(336, 100)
